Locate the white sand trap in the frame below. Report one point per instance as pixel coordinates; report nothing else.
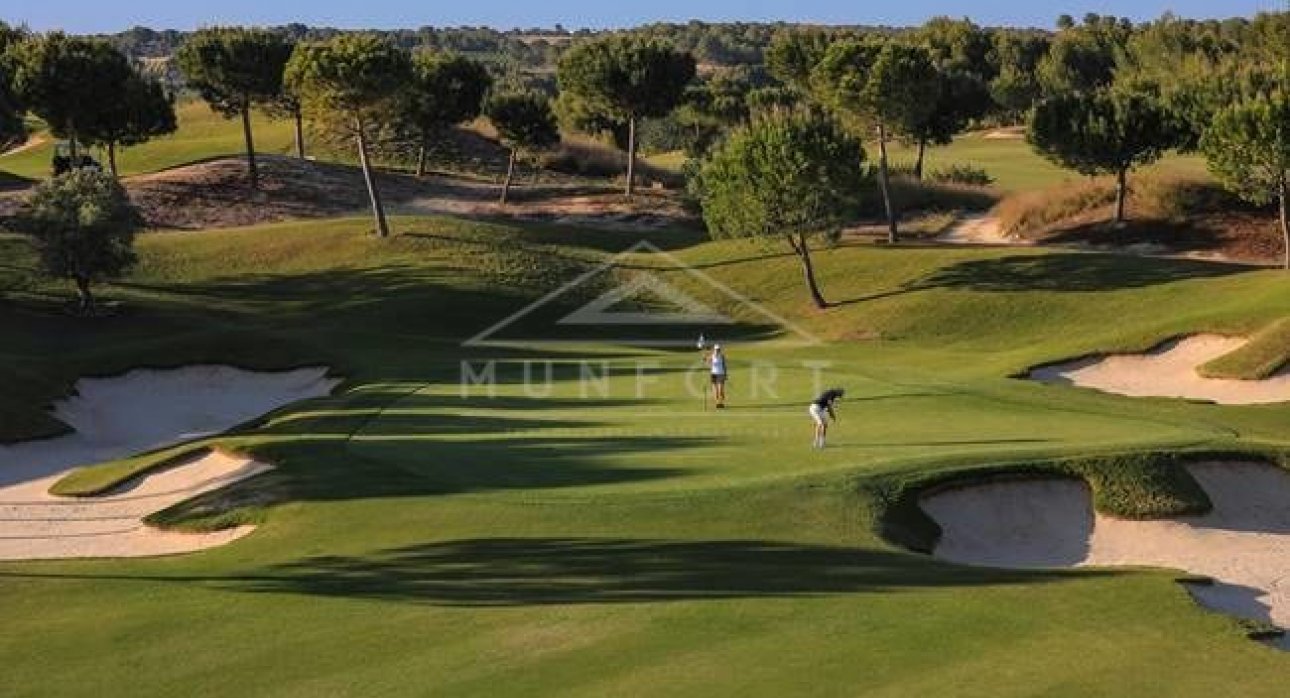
(123, 415)
(1169, 370)
(1243, 544)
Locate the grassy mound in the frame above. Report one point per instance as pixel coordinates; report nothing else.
(202, 135)
(1267, 352)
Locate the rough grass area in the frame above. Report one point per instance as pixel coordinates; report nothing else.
(1168, 211)
(1267, 352)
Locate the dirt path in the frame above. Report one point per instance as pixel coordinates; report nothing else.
(123, 415)
(1169, 370)
(33, 142)
(979, 230)
(1243, 543)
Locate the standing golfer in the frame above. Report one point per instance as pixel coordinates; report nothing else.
(823, 404)
(717, 365)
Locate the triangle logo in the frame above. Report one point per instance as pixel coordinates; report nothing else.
(600, 311)
(632, 313)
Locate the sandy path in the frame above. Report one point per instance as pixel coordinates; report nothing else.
(117, 417)
(979, 230)
(1243, 544)
(35, 141)
(1169, 370)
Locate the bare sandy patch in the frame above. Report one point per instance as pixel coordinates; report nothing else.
(33, 141)
(979, 230)
(1010, 133)
(122, 415)
(1243, 544)
(1169, 370)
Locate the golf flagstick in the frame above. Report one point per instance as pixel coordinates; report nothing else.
(703, 389)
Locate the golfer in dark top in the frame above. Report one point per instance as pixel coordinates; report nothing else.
(822, 405)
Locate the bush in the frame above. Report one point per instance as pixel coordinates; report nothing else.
(962, 174)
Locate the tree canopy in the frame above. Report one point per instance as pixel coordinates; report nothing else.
(524, 122)
(446, 89)
(883, 85)
(69, 82)
(140, 112)
(354, 77)
(626, 77)
(233, 69)
(12, 129)
(1103, 132)
(82, 225)
(1248, 149)
(787, 175)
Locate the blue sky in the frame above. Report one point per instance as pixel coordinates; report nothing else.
(104, 15)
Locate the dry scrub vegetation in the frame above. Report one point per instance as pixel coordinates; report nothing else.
(1169, 212)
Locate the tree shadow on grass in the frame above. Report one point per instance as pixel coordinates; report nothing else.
(538, 571)
(1071, 272)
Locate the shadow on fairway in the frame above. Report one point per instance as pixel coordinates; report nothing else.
(1071, 272)
(536, 571)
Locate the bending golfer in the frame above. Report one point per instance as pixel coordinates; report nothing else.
(824, 404)
(717, 364)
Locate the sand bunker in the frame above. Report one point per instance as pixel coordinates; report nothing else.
(123, 415)
(1169, 370)
(1243, 544)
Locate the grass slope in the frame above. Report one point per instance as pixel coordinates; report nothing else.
(1267, 352)
(202, 134)
(567, 540)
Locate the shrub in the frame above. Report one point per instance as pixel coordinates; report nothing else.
(962, 174)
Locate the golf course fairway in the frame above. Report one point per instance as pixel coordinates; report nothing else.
(569, 518)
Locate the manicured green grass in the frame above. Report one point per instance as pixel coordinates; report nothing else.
(1010, 161)
(1267, 352)
(561, 540)
(1013, 164)
(202, 135)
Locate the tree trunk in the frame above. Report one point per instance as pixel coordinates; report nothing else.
(300, 132)
(72, 149)
(1285, 220)
(252, 173)
(884, 183)
(510, 172)
(421, 159)
(631, 155)
(1121, 193)
(111, 152)
(803, 252)
(84, 296)
(918, 163)
(373, 193)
